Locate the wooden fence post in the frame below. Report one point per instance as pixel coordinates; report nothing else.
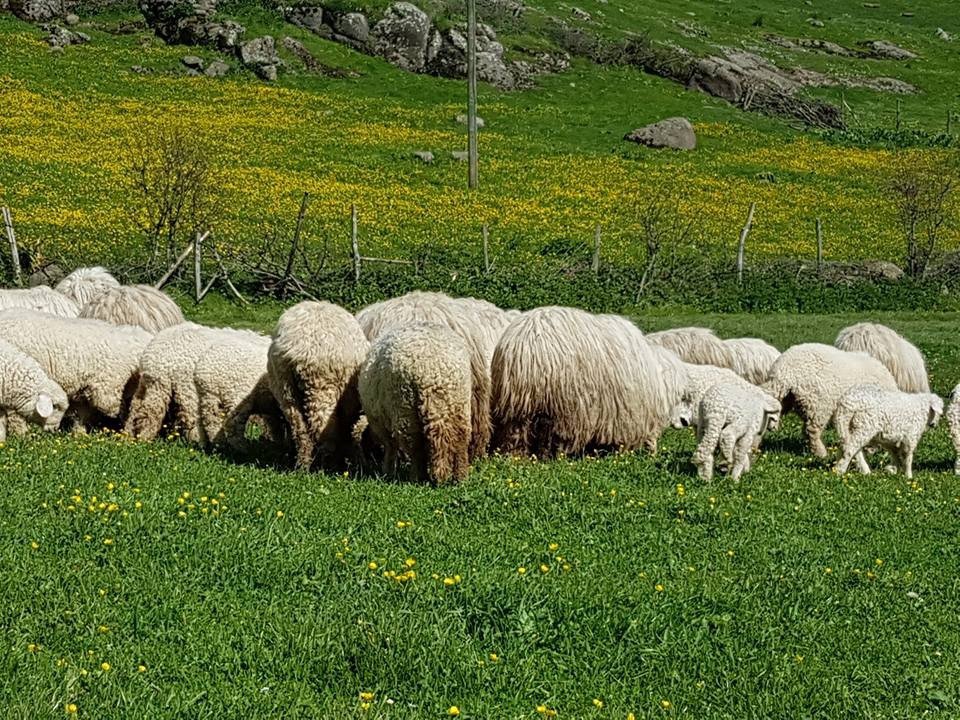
(14, 251)
(819, 246)
(486, 249)
(899, 110)
(595, 265)
(197, 279)
(355, 243)
(179, 261)
(743, 242)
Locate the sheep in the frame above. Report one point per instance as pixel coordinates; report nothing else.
(699, 379)
(892, 419)
(953, 423)
(734, 416)
(811, 378)
(140, 305)
(84, 284)
(40, 298)
(95, 363)
(467, 317)
(566, 381)
(312, 366)
(901, 358)
(751, 358)
(695, 345)
(27, 393)
(414, 387)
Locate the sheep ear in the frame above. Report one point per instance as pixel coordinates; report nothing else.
(44, 405)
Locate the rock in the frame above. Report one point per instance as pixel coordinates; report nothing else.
(309, 17)
(401, 36)
(61, 37)
(462, 119)
(460, 155)
(510, 8)
(810, 44)
(450, 59)
(354, 26)
(192, 62)
(223, 35)
(870, 270)
(424, 155)
(47, 275)
(717, 77)
(218, 68)
(944, 35)
(883, 270)
(141, 70)
(676, 133)
(170, 19)
(260, 56)
(813, 22)
(36, 10)
(72, 20)
(887, 50)
(580, 14)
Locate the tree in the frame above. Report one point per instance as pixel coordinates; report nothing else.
(660, 223)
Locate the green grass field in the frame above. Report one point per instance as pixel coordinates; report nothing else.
(212, 589)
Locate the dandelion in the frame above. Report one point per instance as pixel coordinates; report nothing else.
(878, 562)
(521, 570)
(448, 581)
(598, 703)
(666, 704)
(409, 562)
(105, 666)
(730, 553)
(453, 710)
(364, 706)
(35, 545)
(372, 565)
(798, 659)
(827, 571)
(494, 657)
(554, 547)
(103, 629)
(630, 716)
(33, 647)
(108, 541)
(544, 568)
(279, 513)
(141, 668)
(658, 587)
(71, 708)
(681, 490)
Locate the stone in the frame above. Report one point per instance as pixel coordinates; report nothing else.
(883, 270)
(814, 22)
(141, 70)
(47, 275)
(675, 132)
(61, 37)
(218, 68)
(354, 26)
(223, 35)
(260, 56)
(36, 10)
(887, 50)
(72, 19)
(944, 35)
(401, 36)
(424, 156)
(192, 62)
(460, 155)
(169, 18)
(309, 17)
(450, 59)
(718, 77)
(580, 14)
(462, 119)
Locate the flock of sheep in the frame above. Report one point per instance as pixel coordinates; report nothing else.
(436, 382)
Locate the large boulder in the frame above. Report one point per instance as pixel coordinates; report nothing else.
(37, 10)
(309, 17)
(718, 77)
(260, 56)
(887, 50)
(353, 26)
(60, 37)
(402, 35)
(450, 60)
(169, 18)
(675, 132)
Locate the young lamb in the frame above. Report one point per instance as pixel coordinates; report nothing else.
(415, 390)
(699, 379)
(734, 416)
(27, 392)
(894, 420)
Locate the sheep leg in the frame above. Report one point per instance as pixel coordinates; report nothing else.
(728, 445)
(906, 462)
(148, 409)
(814, 431)
(862, 463)
(742, 457)
(3, 427)
(709, 430)
(16, 425)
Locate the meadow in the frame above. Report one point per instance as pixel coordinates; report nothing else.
(150, 580)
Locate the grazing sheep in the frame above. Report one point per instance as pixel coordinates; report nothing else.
(84, 284)
(695, 345)
(752, 358)
(41, 298)
(699, 379)
(415, 390)
(467, 317)
(734, 416)
(902, 359)
(892, 419)
(567, 381)
(95, 363)
(811, 378)
(953, 423)
(27, 392)
(313, 363)
(140, 305)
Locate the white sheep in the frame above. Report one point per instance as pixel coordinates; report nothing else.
(41, 298)
(312, 365)
(734, 416)
(84, 284)
(27, 392)
(415, 391)
(894, 420)
(811, 378)
(901, 358)
(953, 423)
(95, 363)
(699, 379)
(695, 345)
(141, 305)
(752, 358)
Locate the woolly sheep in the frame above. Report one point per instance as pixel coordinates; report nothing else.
(894, 420)
(734, 416)
(467, 317)
(811, 378)
(41, 298)
(94, 362)
(415, 390)
(84, 284)
(902, 359)
(312, 366)
(953, 423)
(695, 345)
(27, 392)
(699, 379)
(751, 358)
(567, 381)
(140, 305)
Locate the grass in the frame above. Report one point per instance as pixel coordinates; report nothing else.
(794, 589)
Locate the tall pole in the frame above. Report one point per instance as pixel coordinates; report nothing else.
(472, 92)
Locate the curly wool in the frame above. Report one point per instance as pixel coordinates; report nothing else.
(313, 363)
(28, 392)
(95, 363)
(811, 378)
(567, 381)
(751, 358)
(41, 299)
(894, 420)
(953, 424)
(415, 391)
(695, 345)
(699, 379)
(904, 361)
(84, 284)
(140, 305)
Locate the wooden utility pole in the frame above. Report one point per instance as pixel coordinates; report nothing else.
(355, 243)
(595, 265)
(472, 151)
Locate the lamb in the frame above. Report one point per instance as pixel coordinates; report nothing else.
(415, 390)
(27, 392)
(40, 298)
(312, 366)
(695, 345)
(734, 416)
(811, 378)
(94, 362)
(752, 358)
(953, 423)
(892, 419)
(140, 305)
(84, 284)
(566, 381)
(901, 358)
(699, 379)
